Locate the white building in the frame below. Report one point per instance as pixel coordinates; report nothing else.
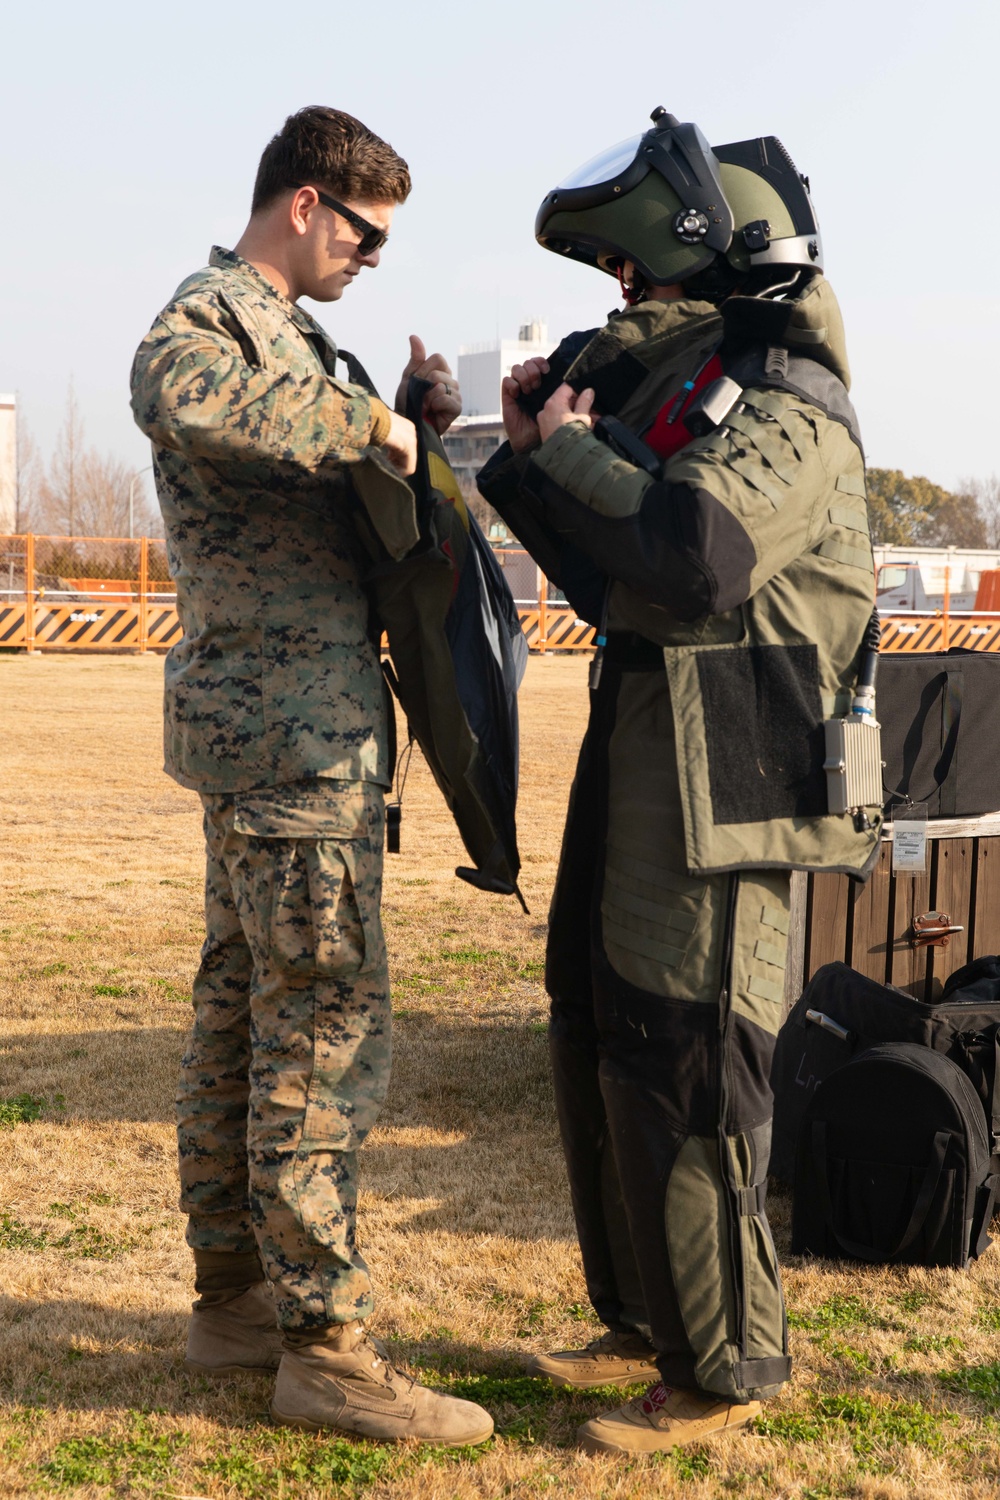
(481, 367)
(8, 464)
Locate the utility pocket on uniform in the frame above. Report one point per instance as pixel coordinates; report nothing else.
(649, 918)
(312, 855)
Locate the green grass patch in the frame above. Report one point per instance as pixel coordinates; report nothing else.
(14, 1235)
(912, 1302)
(789, 1427)
(112, 991)
(132, 1464)
(690, 1463)
(81, 1240)
(933, 1343)
(989, 1317)
(23, 1109)
(173, 991)
(981, 1381)
(50, 970)
(872, 1425)
(840, 1312)
(876, 1424)
(273, 1464)
(846, 1354)
(470, 955)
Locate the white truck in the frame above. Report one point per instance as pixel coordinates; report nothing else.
(921, 578)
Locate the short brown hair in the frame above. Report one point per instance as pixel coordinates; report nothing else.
(333, 149)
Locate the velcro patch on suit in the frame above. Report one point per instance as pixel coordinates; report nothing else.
(766, 989)
(769, 953)
(763, 732)
(651, 911)
(771, 916)
(852, 520)
(620, 930)
(852, 484)
(624, 862)
(852, 557)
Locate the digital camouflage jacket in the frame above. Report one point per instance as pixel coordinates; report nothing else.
(746, 557)
(276, 678)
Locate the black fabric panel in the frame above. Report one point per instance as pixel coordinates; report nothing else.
(750, 1058)
(559, 362)
(574, 1042)
(682, 550)
(763, 726)
(612, 373)
(669, 1048)
(803, 377)
(570, 569)
(940, 717)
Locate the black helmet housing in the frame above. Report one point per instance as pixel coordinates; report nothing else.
(682, 210)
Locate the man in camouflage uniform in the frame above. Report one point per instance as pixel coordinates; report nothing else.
(275, 712)
(712, 524)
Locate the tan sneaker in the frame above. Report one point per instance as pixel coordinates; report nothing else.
(346, 1384)
(235, 1337)
(661, 1419)
(612, 1359)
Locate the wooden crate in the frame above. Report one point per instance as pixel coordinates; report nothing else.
(870, 927)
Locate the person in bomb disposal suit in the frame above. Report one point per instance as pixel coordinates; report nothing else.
(276, 715)
(712, 524)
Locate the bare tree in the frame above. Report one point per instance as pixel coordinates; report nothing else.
(29, 501)
(62, 486)
(84, 492)
(986, 492)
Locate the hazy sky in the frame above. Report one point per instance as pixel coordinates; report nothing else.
(132, 133)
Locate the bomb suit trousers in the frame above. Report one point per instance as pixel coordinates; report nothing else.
(666, 995)
(287, 1063)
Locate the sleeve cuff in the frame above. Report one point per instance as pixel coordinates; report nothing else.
(381, 422)
(568, 442)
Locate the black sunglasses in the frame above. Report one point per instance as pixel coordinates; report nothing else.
(372, 238)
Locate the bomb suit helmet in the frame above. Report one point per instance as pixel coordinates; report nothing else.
(683, 211)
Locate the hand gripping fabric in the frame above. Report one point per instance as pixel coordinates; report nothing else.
(456, 646)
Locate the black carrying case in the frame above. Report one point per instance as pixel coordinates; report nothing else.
(940, 718)
(963, 1024)
(895, 1162)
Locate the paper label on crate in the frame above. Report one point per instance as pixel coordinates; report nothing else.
(909, 847)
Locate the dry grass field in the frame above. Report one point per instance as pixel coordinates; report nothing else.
(465, 1213)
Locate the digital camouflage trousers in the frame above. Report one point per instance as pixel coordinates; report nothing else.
(287, 1064)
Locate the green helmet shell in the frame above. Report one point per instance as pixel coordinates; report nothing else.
(675, 206)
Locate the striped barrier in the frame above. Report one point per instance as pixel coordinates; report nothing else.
(48, 602)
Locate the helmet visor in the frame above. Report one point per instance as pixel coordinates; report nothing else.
(609, 164)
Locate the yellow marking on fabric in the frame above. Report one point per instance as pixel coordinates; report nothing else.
(852, 484)
(770, 953)
(442, 478)
(773, 916)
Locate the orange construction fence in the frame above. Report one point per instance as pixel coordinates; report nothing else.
(115, 594)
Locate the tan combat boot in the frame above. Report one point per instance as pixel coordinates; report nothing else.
(346, 1384)
(661, 1419)
(612, 1359)
(234, 1337)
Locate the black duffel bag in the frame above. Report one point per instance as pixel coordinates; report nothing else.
(940, 718)
(841, 1013)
